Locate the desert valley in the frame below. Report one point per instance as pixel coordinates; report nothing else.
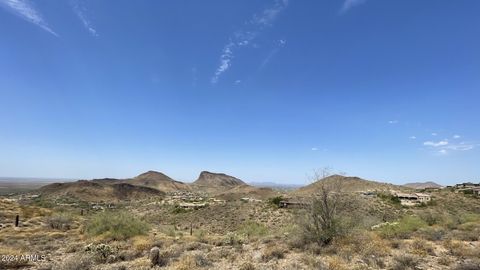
(152, 221)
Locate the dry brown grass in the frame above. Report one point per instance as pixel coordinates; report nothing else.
(193, 260)
(141, 243)
(405, 262)
(367, 246)
(421, 247)
(337, 263)
(274, 251)
(461, 249)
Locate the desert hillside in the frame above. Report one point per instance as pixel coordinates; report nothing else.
(348, 183)
(216, 182)
(423, 185)
(94, 191)
(158, 180)
(246, 191)
(240, 228)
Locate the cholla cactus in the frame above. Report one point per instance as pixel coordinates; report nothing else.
(233, 238)
(102, 250)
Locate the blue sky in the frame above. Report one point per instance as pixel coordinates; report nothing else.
(263, 90)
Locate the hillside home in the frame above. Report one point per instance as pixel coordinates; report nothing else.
(432, 189)
(410, 199)
(192, 205)
(467, 185)
(292, 204)
(368, 193)
(246, 199)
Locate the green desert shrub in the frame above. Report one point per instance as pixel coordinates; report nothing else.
(469, 217)
(275, 200)
(116, 225)
(177, 209)
(60, 222)
(201, 236)
(403, 228)
(389, 198)
(432, 217)
(432, 233)
(405, 262)
(253, 229)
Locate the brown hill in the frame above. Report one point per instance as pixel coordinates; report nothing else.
(422, 185)
(348, 184)
(216, 182)
(246, 191)
(94, 191)
(158, 181)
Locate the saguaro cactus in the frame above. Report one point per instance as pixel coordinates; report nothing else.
(17, 220)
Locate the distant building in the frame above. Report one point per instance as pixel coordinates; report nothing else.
(368, 193)
(192, 205)
(292, 204)
(467, 188)
(246, 199)
(411, 199)
(467, 185)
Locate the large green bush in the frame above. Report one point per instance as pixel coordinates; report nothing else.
(116, 225)
(403, 228)
(253, 229)
(275, 200)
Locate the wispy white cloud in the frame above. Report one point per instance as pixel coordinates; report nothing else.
(26, 10)
(80, 11)
(270, 14)
(444, 146)
(434, 134)
(225, 61)
(442, 152)
(278, 46)
(393, 122)
(349, 4)
(412, 137)
(463, 146)
(245, 36)
(436, 144)
(457, 136)
(314, 149)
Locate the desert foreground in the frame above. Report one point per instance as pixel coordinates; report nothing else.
(219, 222)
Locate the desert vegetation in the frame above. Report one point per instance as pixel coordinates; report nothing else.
(330, 228)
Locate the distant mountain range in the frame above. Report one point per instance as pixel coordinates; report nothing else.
(154, 183)
(422, 185)
(276, 185)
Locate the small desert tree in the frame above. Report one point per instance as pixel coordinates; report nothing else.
(327, 214)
